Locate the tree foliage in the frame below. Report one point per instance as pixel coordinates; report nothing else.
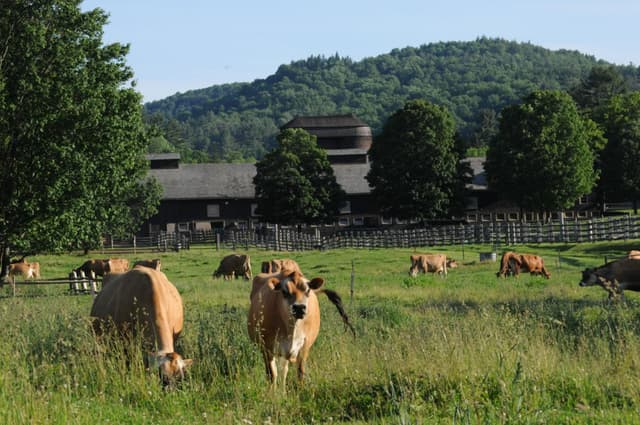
(594, 92)
(620, 159)
(471, 79)
(543, 155)
(414, 171)
(295, 183)
(72, 138)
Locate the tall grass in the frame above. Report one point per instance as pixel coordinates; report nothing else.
(469, 348)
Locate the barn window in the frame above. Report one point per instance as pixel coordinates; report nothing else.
(358, 221)
(344, 221)
(213, 210)
(386, 220)
(513, 216)
(472, 217)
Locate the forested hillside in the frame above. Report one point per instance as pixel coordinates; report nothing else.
(474, 80)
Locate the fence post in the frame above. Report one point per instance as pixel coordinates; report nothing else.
(353, 275)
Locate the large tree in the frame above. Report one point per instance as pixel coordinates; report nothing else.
(620, 159)
(595, 90)
(543, 155)
(415, 163)
(295, 183)
(72, 140)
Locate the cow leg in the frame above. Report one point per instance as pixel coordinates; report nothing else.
(285, 371)
(270, 366)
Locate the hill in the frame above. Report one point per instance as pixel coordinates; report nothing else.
(474, 80)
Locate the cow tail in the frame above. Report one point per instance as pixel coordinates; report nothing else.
(337, 301)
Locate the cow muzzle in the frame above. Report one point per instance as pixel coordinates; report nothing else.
(298, 310)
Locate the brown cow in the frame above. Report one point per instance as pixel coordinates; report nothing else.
(284, 319)
(434, 263)
(234, 265)
(98, 267)
(512, 263)
(26, 270)
(152, 264)
(614, 277)
(277, 265)
(143, 299)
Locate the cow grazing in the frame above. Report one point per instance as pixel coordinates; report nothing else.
(152, 264)
(513, 263)
(144, 300)
(614, 277)
(433, 263)
(277, 265)
(234, 265)
(451, 263)
(98, 267)
(24, 269)
(284, 319)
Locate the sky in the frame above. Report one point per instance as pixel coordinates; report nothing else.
(177, 46)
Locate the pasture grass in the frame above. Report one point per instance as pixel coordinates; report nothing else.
(466, 349)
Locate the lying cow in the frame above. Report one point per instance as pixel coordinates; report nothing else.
(428, 263)
(152, 264)
(144, 299)
(513, 263)
(277, 265)
(234, 265)
(284, 318)
(614, 277)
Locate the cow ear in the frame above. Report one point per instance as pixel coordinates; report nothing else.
(316, 283)
(274, 284)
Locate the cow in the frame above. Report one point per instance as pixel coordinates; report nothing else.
(152, 264)
(284, 319)
(635, 254)
(277, 265)
(143, 300)
(98, 267)
(234, 265)
(451, 263)
(434, 263)
(117, 265)
(512, 263)
(614, 277)
(26, 270)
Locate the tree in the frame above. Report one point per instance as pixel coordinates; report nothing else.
(620, 159)
(414, 169)
(594, 91)
(295, 183)
(543, 155)
(72, 140)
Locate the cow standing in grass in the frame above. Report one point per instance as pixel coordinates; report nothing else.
(614, 277)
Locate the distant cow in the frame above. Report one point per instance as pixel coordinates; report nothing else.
(284, 319)
(152, 264)
(24, 269)
(117, 265)
(98, 267)
(634, 254)
(513, 263)
(144, 300)
(234, 265)
(614, 277)
(277, 265)
(428, 263)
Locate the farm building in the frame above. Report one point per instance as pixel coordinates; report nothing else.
(218, 195)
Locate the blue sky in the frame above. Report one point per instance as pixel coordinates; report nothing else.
(192, 44)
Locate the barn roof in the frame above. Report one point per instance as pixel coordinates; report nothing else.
(331, 121)
(225, 181)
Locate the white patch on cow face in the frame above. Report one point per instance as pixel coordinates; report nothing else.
(296, 295)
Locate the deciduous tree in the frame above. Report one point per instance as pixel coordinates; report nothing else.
(71, 133)
(295, 183)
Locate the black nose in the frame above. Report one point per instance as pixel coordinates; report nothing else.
(298, 310)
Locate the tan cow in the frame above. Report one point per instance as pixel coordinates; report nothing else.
(152, 264)
(144, 299)
(614, 277)
(434, 263)
(277, 265)
(117, 265)
(634, 254)
(234, 265)
(24, 269)
(284, 319)
(512, 263)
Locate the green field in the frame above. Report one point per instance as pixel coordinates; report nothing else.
(470, 348)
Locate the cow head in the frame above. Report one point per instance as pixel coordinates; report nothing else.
(452, 264)
(171, 366)
(295, 289)
(415, 266)
(590, 278)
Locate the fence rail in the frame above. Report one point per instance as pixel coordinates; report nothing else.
(315, 238)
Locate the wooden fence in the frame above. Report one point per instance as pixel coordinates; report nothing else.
(318, 238)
